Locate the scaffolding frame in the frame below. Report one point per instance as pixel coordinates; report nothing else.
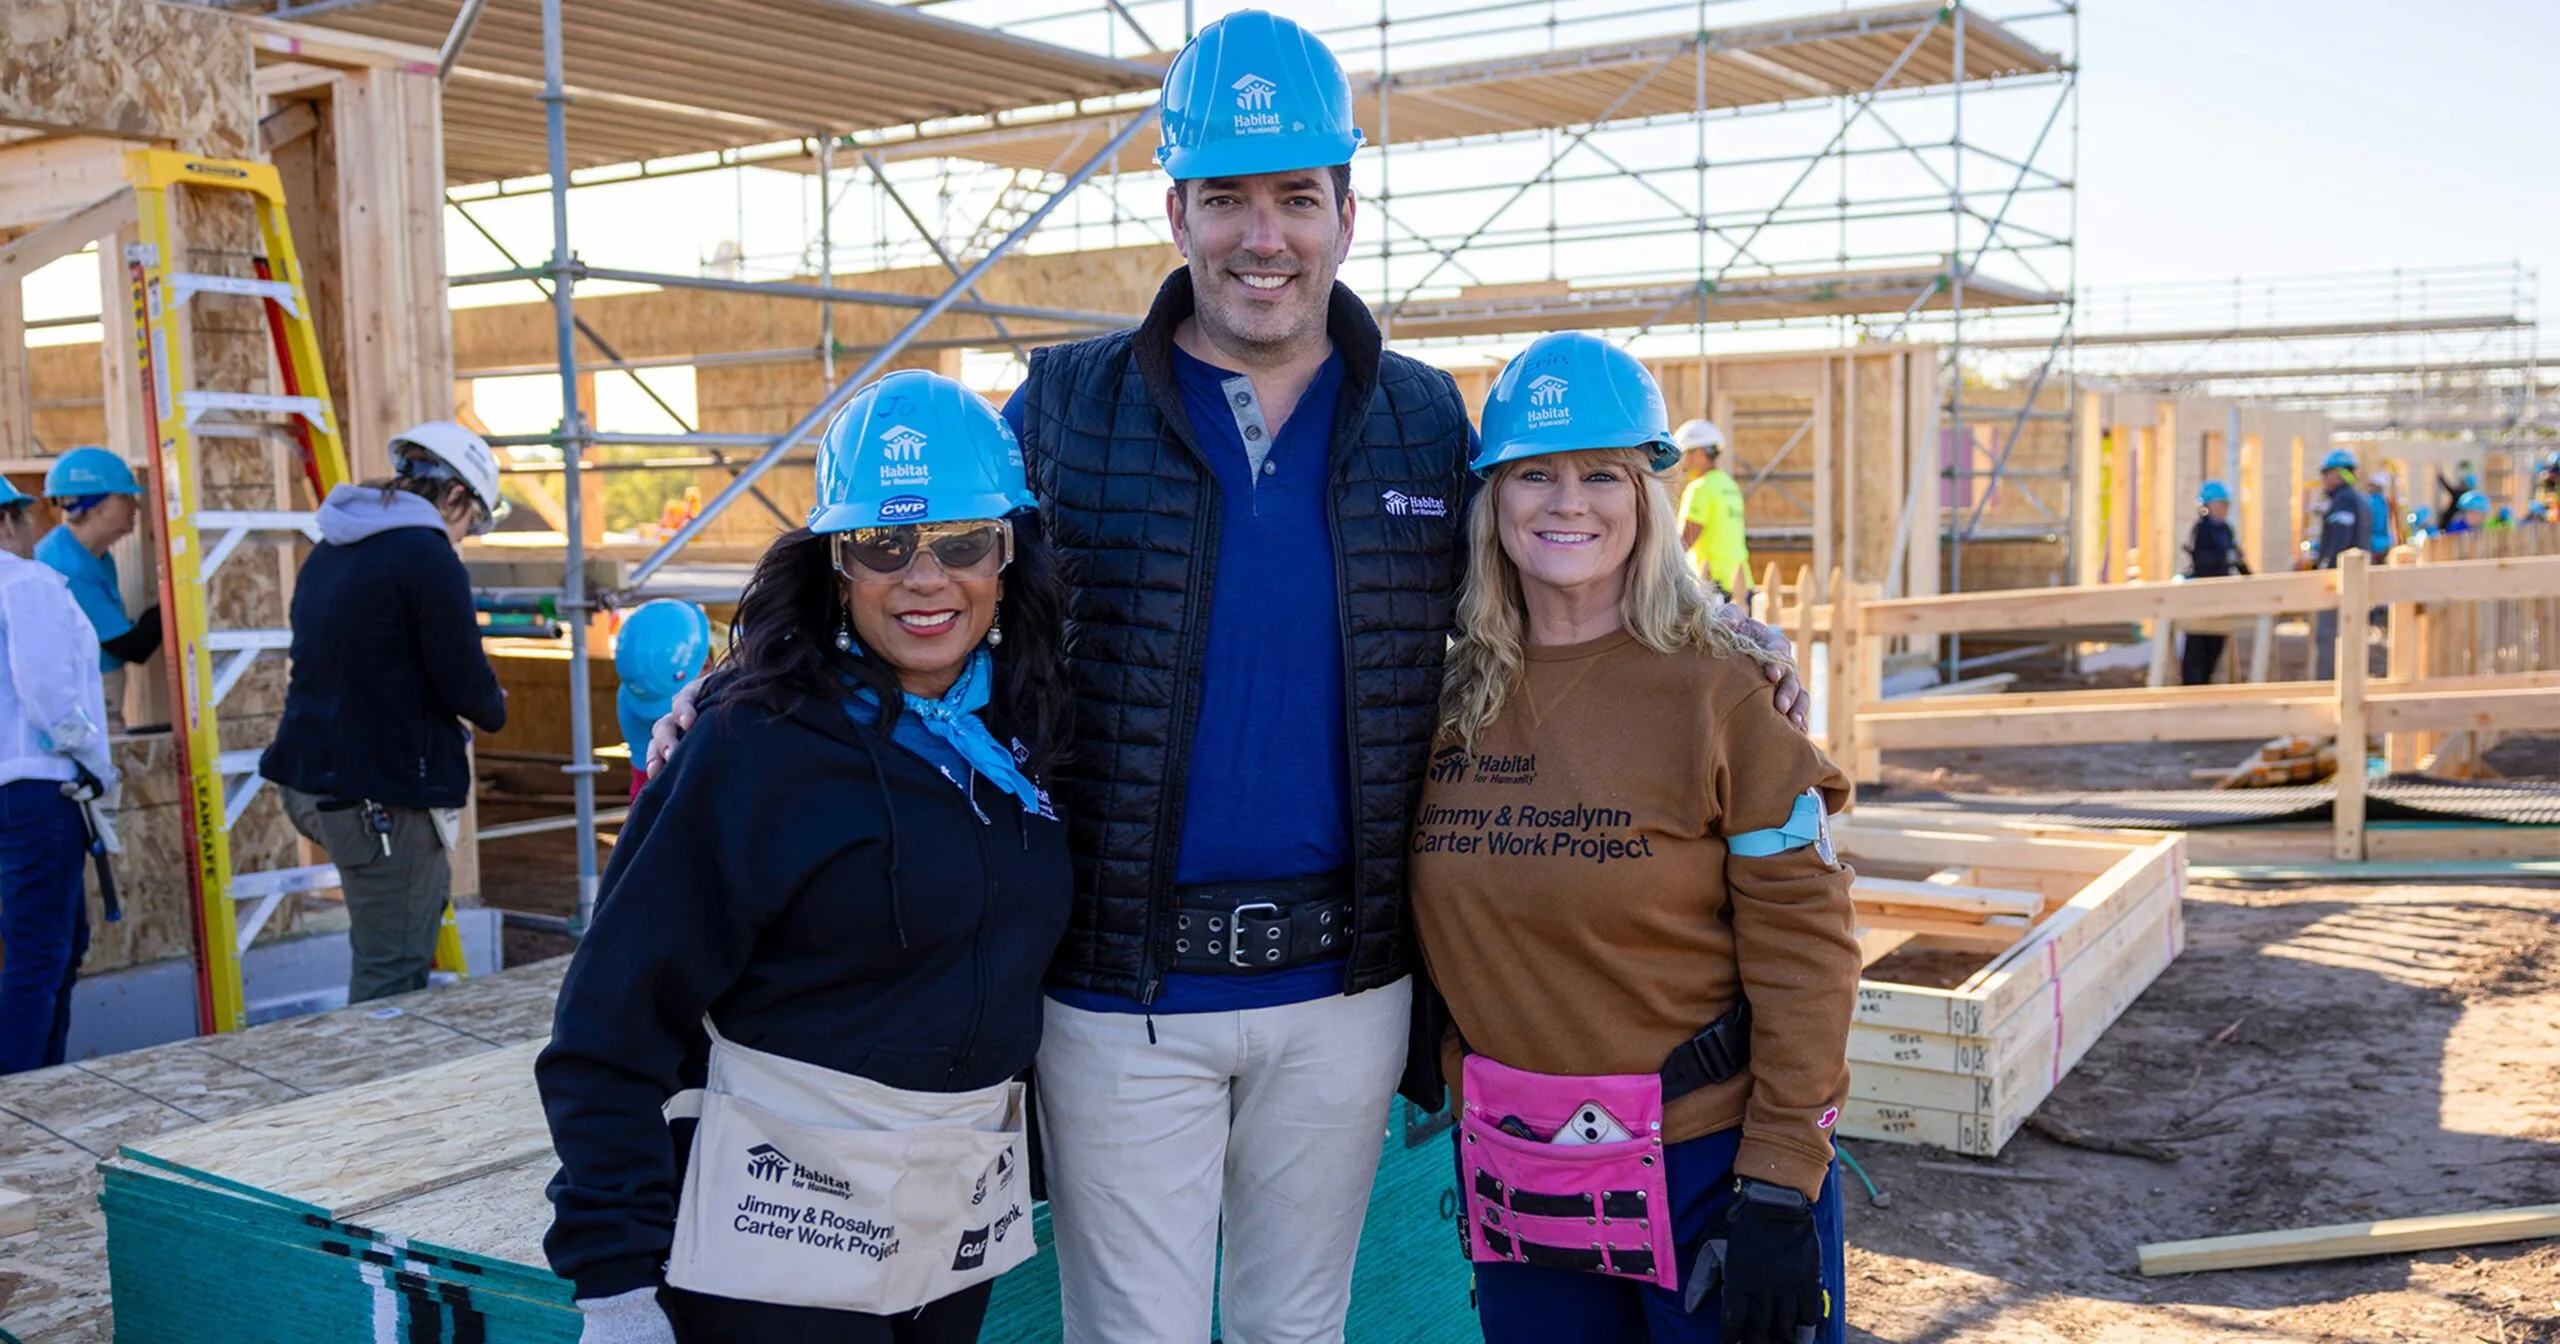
(573, 437)
(1732, 247)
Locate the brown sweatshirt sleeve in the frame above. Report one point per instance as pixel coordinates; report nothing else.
(1794, 944)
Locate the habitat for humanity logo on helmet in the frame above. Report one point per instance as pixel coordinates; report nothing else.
(1546, 402)
(902, 457)
(1253, 105)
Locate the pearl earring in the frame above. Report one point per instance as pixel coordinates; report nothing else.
(995, 627)
(844, 632)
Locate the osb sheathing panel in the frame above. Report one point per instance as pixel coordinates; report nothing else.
(151, 882)
(65, 394)
(133, 69)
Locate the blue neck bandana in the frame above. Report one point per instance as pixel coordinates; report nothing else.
(954, 719)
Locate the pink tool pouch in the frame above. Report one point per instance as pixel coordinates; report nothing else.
(1603, 1208)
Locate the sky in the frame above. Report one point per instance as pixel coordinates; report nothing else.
(2259, 137)
(2218, 138)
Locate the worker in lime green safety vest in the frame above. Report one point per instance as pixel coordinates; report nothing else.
(1711, 511)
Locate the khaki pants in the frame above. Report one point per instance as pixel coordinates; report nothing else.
(395, 902)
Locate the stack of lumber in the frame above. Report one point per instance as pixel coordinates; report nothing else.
(2076, 924)
(2279, 761)
(407, 1208)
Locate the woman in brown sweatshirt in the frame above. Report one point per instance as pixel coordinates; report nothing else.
(1622, 844)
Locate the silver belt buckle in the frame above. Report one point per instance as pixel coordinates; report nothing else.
(1235, 931)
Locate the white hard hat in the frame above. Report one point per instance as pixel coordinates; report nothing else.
(1701, 434)
(465, 457)
(2381, 480)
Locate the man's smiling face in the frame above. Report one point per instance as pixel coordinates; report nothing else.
(1264, 251)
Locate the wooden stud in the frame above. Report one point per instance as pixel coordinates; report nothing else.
(2353, 618)
(2345, 1241)
(2088, 492)
(17, 403)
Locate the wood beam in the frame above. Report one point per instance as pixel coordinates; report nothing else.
(2343, 1241)
(1892, 731)
(44, 180)
(2107, 604)
(51, 242)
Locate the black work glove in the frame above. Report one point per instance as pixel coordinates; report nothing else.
(1772, 1264)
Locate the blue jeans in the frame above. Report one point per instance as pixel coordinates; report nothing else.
(44, 920)
(1531, 1304)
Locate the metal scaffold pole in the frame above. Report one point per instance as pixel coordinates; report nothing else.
(582, 768)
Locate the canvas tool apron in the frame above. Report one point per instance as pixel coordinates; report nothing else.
(813, 1188)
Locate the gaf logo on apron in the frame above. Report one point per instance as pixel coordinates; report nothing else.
(814, 1188)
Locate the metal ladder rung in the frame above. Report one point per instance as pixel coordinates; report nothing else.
(187, 284)
(236, 526)
(269, 889)
(196, 401)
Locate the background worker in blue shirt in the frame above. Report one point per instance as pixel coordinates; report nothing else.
(99, 500)
(53, 736)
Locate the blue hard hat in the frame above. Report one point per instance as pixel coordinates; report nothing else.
(89, 470)
(2339, 459)
(662, 645)
(916, 447)
(11, 494)
(1255, 93)
(2472, 501)
(2214, 492)
(1570, 391)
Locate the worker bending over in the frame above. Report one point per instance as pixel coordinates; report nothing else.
(2213, 552)
(372, 755)
(1711, 527)
(53, 744)
(99, 500)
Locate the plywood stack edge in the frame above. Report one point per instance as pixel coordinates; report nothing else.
(1963, 1068)
(407, 1208)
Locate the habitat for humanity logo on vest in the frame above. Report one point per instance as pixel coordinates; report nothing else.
(1253, 106)
(1403, 505)
(902, 457)
(768, 1163)
(1546, 402)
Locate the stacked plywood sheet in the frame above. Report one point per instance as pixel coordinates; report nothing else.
(2077, 924)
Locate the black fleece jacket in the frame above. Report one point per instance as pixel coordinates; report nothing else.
(386, 664)
(825, 896)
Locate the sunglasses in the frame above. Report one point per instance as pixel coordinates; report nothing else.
(971, 550)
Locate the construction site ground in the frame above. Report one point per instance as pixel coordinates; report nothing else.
(2319, 1054)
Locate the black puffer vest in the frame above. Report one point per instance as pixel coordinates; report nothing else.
(1131, 502)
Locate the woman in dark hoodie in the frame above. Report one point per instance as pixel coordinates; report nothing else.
(371, 753)
(824, 927)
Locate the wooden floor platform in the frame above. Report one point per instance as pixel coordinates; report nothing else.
(55, 1124)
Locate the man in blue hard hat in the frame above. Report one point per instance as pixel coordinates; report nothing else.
(662, 645)
(99, 500)
(2213, 552)
(1261, 505)
(2346, 524)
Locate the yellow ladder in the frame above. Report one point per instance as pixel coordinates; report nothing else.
(205, 663)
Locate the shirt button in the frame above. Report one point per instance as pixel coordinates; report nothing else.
(1270, 468)
(1253, 431)
(1244, 398)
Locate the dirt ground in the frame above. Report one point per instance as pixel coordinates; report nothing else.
(2319, 1054)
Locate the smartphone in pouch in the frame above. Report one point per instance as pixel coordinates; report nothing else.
(1590, 1123)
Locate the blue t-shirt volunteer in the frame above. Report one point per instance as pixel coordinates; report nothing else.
(93, 586)
(1267, 796)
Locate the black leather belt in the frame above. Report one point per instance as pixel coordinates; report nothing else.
(1243, 928)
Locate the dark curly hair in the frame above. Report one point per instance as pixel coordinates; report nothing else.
(782, 643)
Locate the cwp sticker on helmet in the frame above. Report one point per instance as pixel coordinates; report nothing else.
(902, 508)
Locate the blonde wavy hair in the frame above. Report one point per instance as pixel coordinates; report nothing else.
(1667, 607)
